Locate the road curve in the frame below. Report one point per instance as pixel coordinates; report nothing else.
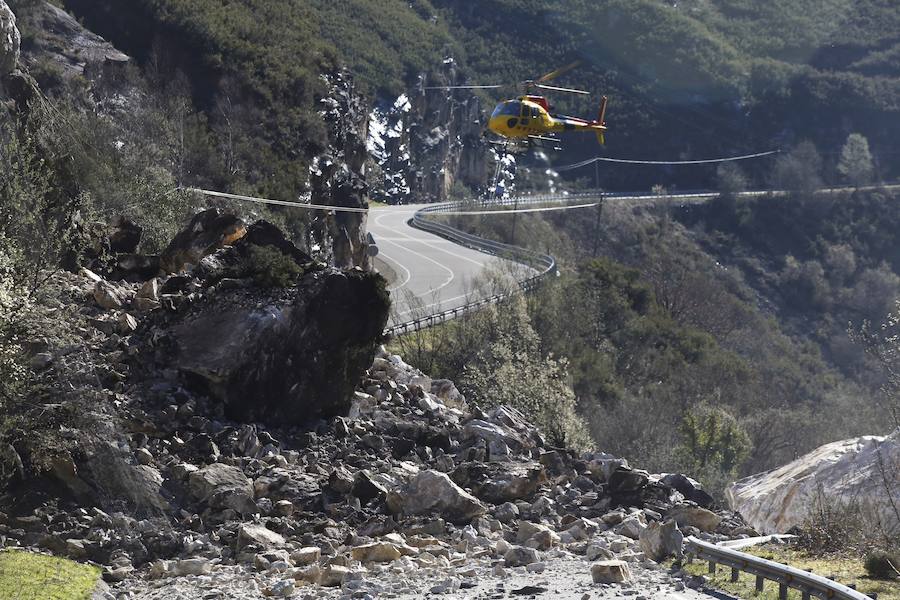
(433, 274)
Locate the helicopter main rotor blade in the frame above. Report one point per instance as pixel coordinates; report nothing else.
(560, 89)
(463, 87)
(554, 74)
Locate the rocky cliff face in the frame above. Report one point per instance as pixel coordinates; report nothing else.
(10, 40)
(338, 177)
(861, 470)
(427, 141)
(59, 40)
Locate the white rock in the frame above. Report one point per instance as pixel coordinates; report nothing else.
(595, 551)
(538, 567)
(109, 295)
(518, 556)
(283, 588)
(284, 508)
(776, 501)
(150, 290)
(631, 527)
(433, 492)
(333, 575)
(660, 541)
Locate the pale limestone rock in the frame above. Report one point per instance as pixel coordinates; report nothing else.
(518, 556)
(192, 566)
(610, 571)
(376, 552)
(433, 492)
(659, 541)
(259, 535)
(694, 516)
(780, 499)
(110, 296)
(333, 575)
(631, 527)
(10, 40)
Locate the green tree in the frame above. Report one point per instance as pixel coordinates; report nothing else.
(510, 370)
(800, 170)
(855, 164)
(712, 440)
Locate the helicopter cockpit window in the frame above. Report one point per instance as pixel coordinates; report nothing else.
(534, 112)
(508, 109)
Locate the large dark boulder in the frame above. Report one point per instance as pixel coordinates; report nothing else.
(284, 357)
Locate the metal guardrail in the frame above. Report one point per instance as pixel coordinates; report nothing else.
(543, 263)
(809, 584)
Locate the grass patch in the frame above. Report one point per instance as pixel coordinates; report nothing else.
(29, 576)
(844, 569)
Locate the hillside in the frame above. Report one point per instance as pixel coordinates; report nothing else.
(700, 79)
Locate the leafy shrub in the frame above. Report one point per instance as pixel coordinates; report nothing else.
(836, 525)
(712, 437)
(882, 565)
(270, 267)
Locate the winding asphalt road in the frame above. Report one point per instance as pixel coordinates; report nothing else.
(433, 274)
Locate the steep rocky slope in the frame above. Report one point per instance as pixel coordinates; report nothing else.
(221, 437)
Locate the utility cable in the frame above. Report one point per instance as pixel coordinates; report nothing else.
(276, 202)
(707, 161)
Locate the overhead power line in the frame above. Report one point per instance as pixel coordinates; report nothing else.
(276, 202)
(707, 161)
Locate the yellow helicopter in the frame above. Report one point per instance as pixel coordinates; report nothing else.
(529, 118)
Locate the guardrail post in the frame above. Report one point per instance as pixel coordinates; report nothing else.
(782, 591)
(806, 595)
(712, 567)
(760, 583)
(735, 574)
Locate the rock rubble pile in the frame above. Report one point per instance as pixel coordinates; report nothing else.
(223, 440)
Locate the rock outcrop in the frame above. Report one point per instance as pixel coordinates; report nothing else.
(208, 231)
(10, 40)
(844, 471)
(338, 177)
(429, 140)
(59, 39)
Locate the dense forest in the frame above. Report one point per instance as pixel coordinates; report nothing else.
(698, 78)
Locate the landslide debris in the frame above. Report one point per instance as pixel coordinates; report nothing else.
(201, 435)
